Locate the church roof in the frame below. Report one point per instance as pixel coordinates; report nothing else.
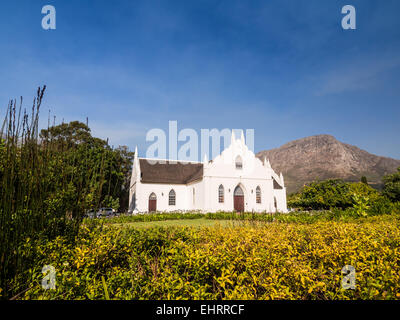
(170, 172)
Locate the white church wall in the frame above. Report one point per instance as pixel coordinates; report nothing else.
(135, 181)
(280, 195)
(132, 197)
(196, 199)
(249, 188)
(162, 193)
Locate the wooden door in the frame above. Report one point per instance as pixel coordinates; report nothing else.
(239, 203)
(238, 199)
(152, 203)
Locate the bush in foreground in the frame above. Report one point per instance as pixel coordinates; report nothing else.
(265, 261)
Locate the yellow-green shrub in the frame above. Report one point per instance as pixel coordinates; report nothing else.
(254, 261)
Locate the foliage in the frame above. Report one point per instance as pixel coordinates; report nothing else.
(48, 181)
(268, 261)
(291, 217)
(111, 203)
(153, 216)
(322, 195)
(332, 194)
(74, 140)
(364, 180)
(391, 187)
(379, 207)
(361, 204)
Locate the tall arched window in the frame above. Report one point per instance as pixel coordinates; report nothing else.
(171, 198)
(221, 194)
(239, 163)
(258, 194)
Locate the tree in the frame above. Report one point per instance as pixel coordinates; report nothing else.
(72, 134)
(322, 195)
(75, 141)
(391, 188)
(364, 180)
(123, 161)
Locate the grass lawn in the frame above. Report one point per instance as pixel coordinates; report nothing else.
(182, 223)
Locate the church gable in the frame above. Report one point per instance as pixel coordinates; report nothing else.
(237, 160)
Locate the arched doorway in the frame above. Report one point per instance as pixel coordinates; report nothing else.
(238, 199)
(152, 202)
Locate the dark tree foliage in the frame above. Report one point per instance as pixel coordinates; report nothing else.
(364, 180)
(391, 187)
(123, 164)
(73, 139)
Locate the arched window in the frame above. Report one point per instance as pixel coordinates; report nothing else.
(239, 163)
(221, 194)
(258, 194)
(275, 204)
(171, 198)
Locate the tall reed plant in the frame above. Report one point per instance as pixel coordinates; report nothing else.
(46, 186)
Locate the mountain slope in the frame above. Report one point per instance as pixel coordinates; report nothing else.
(323, 157)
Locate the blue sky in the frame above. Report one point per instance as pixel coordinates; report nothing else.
(283, 68)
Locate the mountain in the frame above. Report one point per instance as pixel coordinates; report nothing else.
(323, 157)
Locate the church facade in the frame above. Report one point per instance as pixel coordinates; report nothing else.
(236, 180)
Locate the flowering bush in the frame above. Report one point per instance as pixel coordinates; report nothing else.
(251, 261)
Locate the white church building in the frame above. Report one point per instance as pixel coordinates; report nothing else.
(236, 180)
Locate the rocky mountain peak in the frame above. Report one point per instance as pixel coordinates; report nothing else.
(322, 157)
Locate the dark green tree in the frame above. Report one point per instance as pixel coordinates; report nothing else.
(364, 180)
(391, 188)
(75, 137)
